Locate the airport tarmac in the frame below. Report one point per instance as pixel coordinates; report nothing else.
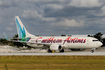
(9, 50)
(59, 54)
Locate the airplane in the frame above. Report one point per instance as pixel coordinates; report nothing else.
(55, 43)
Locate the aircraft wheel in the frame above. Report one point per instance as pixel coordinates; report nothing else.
(49, 51)
(92, 51)
(62, 50)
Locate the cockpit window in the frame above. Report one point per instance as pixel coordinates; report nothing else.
(95, 40)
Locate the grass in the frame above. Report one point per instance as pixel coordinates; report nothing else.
(52, 62)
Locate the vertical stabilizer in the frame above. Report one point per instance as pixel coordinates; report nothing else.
(22, 32)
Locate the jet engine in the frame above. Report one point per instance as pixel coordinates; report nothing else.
(55, 47)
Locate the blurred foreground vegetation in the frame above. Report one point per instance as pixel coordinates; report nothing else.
(52, 62)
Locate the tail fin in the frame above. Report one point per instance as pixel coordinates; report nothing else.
(22, 32)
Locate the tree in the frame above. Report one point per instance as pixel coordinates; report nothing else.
(18, 44)
(97, 35)
(63, 35)
(16, 36)
(3, 41)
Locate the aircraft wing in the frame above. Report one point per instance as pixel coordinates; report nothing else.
(17, 40)
(31, 43)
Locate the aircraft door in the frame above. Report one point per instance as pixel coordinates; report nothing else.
(87, 42)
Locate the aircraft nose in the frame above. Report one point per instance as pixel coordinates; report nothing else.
(99, 44)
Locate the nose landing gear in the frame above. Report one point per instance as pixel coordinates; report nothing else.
(92, 50)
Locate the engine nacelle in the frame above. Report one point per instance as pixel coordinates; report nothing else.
(55, 47)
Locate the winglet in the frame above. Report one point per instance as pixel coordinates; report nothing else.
(6, 36)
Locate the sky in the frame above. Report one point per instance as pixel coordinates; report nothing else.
(53, 17)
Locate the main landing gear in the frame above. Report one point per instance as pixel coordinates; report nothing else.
(92, 51)
(49, 51)
(62, 51)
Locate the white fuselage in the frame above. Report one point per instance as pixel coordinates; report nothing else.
(65, 42)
